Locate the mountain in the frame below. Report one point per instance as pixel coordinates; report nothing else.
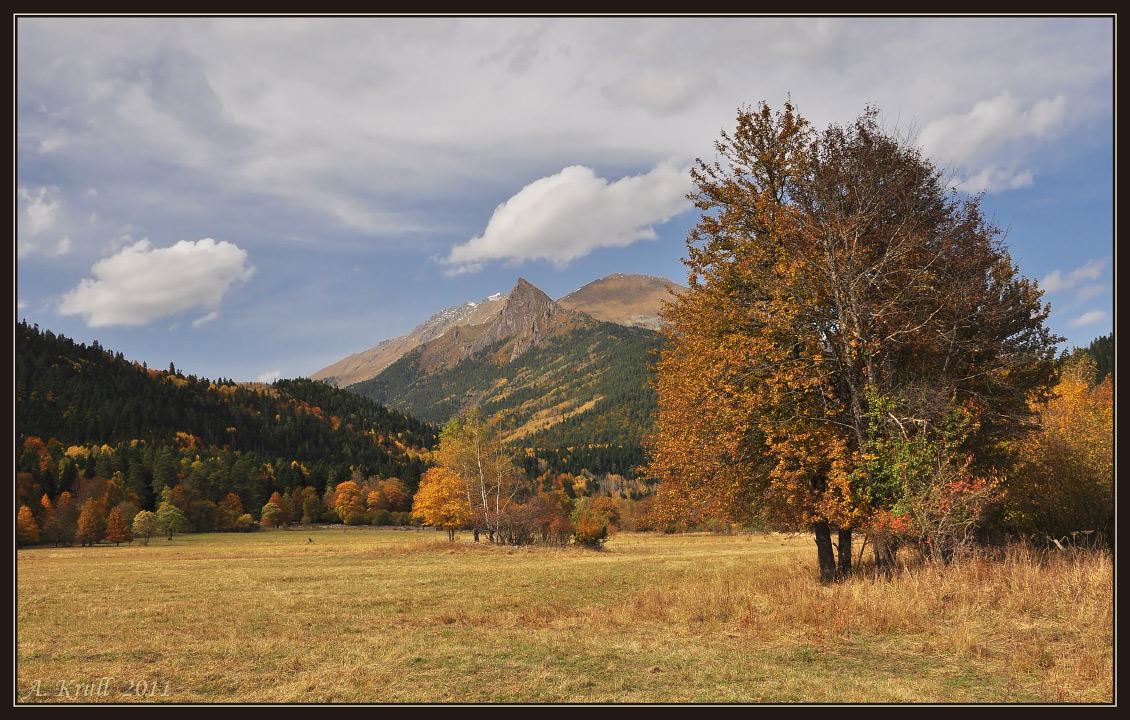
(367, 363)
(565, 382)
(633, 300)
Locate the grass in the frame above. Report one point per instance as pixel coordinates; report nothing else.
(370, 616)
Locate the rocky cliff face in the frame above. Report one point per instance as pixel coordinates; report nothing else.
(527, 317)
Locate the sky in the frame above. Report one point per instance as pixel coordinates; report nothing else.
(258, 197)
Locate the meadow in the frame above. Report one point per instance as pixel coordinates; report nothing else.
(388, 616)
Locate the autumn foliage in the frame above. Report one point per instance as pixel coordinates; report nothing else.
(1063, 485)
(830, 271)
(442, 501)
(27, 530)
(117, 531)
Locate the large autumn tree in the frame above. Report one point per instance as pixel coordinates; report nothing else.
(833, 274)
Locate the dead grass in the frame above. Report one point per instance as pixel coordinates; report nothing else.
(394, 616)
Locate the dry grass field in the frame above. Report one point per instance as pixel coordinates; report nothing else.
(373, 616)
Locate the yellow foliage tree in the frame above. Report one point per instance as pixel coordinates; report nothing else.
(441, 501)
(472, 448)
(1064, 480)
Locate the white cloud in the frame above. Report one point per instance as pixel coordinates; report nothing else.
(1055, 282)
(40, 210)
(63, 247)
(269, 377)
(205, 319)
(991, 122)
(1089, 318)
(567, 215)
(378, 109)
(1086, 292)
(141, 283)
(21, 304)
(975, 137)
(995, 179)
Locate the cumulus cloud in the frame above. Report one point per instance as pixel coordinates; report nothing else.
(969, 138)
(991, 122)
(567, 215)
(1088, 318)
(1056, 282)
(269, 377)
(141, 283)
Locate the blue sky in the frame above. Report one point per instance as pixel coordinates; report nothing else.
(259, 197)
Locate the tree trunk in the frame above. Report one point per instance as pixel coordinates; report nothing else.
(824, 553)
(845, 552)
(884, 555)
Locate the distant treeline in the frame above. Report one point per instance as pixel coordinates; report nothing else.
(254, 441)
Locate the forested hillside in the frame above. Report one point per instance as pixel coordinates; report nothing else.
(1101, 353)
(88, 416)
(579, 400)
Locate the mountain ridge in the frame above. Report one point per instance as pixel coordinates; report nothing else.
(626, 299)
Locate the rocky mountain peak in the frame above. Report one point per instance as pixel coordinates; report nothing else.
(526, 317)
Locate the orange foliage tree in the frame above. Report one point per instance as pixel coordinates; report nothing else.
(828, 269)
(441, 501)
(27, 530)
(349, 502)
(91, 522)
(285, 511)
(117, 531)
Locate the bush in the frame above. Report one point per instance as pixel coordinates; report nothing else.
(246, 523)
(590, 529)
